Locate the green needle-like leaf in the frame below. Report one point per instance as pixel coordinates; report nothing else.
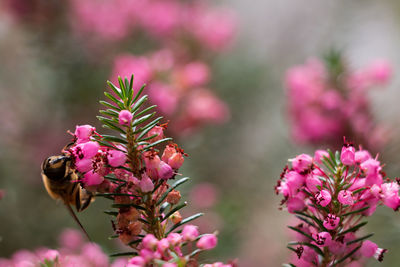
(144, 111)
(184, 221)
(355, 211)
(347, 256)
(301, 232)
(123, 254)
(157, 143)
(116, 101)
(139, 103)
(175, 185)
(114, 139)
(115, 89)
(142, 119)
(354, 228)
(139, 93)
(180, 206)
(105, 103)
(359, 239)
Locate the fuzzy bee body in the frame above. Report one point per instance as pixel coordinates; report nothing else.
(61, 183)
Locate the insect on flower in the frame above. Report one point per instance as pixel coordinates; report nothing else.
(61, 182)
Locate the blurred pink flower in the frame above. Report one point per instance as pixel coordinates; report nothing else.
(204, 195)
(71, 239)
(125, 65)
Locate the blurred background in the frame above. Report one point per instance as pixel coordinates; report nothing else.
(225, 61)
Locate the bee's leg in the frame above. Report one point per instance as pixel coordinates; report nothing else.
(77, 220)
(85, 198)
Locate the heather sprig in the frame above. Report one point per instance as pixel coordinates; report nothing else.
(133, 168)
(331, 195)
(327, 100)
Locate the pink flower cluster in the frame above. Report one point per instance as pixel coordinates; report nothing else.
(164, 20)
(94, 161)
(324, 107)
(178, 88)
(73, 252)
(330, 195)
(168, 250)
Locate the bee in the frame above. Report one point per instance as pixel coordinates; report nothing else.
(61, 183)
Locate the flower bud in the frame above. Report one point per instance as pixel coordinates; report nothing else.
(150, 242)
(158, 131)
(137, 261)
(125, 117)
(164, 171)
(83, 133)
(146, 184)
(163, 245)
(345, 197)
(174, 239)
(173, 197)
(347, 157)
(302, 163)
(190, 232)
(207, 242)
(295, 204)
(176, 217)
(176, 160)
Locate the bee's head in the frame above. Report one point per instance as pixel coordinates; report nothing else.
(55, 167)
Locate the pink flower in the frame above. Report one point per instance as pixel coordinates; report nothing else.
(331, 221)
(361, 156)
(84, 132)
(380, 72)
(169, 264)
(370, 249)
(165, 171)
(323, 198)
(84, 165)
(294, 181)
(323, 239)
(390, 195)
(204, 195)
(345, 197)
(371, 167)
(313, 182)
(125, 117)
(137, 261)
(150, 242)
(92, 178)
(194, 74)
(207, 242)
(158, 131)
(163, 245)
(71, 239)
(319, 155)
(302, 163)
(174, 239)
(190, 233)
(347, 157)
(146, 184)
(125, 65)
(164, 96)
(116, 158)
(295, 204)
